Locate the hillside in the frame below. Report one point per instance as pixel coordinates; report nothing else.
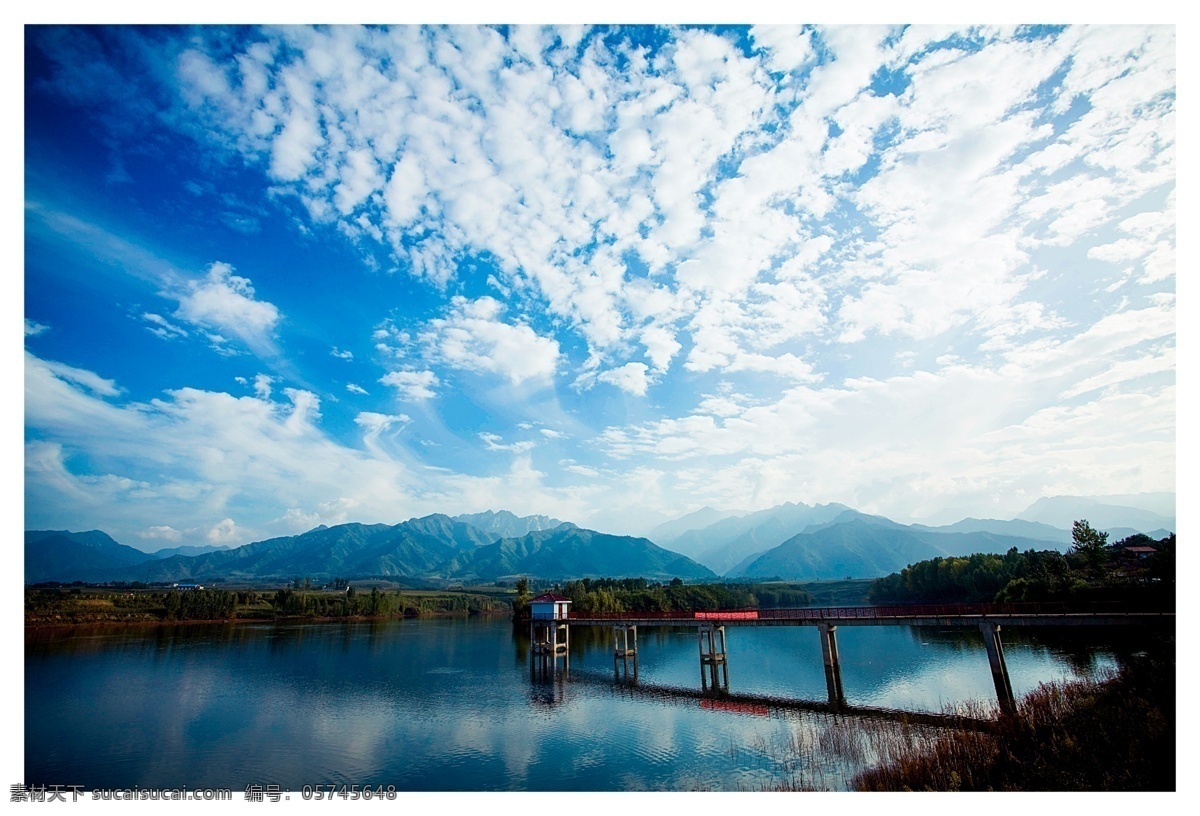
(568, 551)
(722, 545)
(415, 547)
(433, 549)
(60, 555)
(865, 547)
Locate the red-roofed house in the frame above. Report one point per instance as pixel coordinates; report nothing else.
(549, 607)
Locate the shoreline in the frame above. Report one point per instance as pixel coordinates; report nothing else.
(284, 619)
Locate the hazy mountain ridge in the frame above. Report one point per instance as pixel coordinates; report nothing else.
(854, 548)
(724, 543)
(1017, 527)
(188, 550)
(507, 525)
(862, 548)
(668, 531)
(1063, 511)
(732, 545)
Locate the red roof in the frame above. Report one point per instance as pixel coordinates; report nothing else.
(550, 597)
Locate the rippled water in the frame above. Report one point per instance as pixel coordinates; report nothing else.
(450, 704)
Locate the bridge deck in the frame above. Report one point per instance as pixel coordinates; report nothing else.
(915, 615)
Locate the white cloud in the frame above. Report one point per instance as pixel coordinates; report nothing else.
(414, 386)
(161, 532)
(96, 384)
(374, 423)
(788, 47)
(192, 455)
(660, 345)
(473, 337)
(630, 378)
(493, 442)
(299, 521)
(224, 532)
(161, 327)
(356, 389)
(225, 302)
(262, 386)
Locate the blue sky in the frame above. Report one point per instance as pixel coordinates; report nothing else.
(282, 277)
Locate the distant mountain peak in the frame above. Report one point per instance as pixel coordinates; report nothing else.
(506, 524)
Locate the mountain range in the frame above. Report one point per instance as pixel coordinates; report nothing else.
(429, 550)
(826, 541)
(792, 541)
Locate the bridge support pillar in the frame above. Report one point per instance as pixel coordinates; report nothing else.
(995, 653)
(549, 640)
(713, 659)
(624, 653)
(833, 665)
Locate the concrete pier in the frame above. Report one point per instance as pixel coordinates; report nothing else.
(995, 653)
(550, 641)
(833, 665)
(622, 637)
(625, 656)
(714, 665)
(551, 637)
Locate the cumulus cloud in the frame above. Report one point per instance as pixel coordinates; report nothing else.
(200, 452)
(224, 532)
(414, 386)
(630, 378)
(475, 338)
(225, 302)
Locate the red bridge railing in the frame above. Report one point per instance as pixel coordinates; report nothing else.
(868, 612)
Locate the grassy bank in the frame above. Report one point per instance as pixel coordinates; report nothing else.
(1109, 734)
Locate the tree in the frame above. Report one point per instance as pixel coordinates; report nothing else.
(1091, 547)
(521, 602)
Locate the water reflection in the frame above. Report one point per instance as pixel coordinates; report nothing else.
(457, 704)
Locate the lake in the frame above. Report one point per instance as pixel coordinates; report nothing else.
(450, 704)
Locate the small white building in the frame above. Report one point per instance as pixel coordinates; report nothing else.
(549, 607)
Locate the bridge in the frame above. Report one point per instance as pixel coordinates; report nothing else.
(551, 620)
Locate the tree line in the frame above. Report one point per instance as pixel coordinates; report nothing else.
(1092, 570)
(79, 604)
(599, 595)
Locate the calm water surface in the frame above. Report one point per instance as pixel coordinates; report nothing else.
(449, 704)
